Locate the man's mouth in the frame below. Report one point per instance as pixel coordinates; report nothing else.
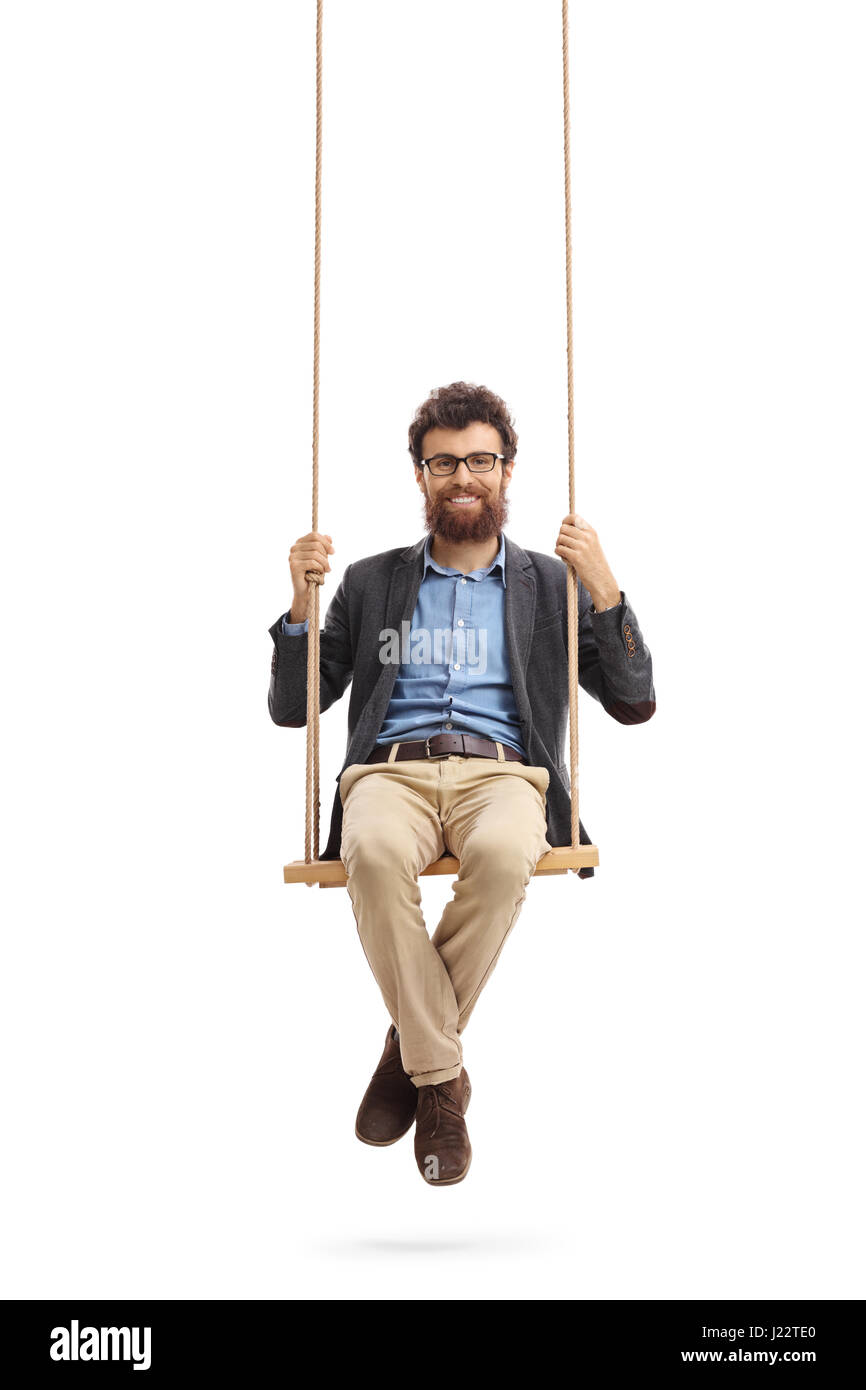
(464, 499)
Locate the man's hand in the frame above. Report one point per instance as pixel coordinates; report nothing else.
(310, 552)
(578, 545)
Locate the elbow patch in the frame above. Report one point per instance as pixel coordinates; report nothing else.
(637, 713)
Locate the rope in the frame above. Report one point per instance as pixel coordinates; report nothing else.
(571, 575)
(315, 578)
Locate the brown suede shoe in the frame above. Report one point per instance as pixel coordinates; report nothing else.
(442, 1149)
(390, 1101)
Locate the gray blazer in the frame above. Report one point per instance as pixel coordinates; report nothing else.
(379, 591)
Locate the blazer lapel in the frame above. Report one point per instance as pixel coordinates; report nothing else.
(519, 618)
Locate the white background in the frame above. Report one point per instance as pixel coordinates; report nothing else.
(667, 1064)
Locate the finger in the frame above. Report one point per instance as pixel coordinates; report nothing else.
(308, 548)
(308, 556)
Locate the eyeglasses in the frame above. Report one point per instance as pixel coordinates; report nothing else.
(443, 464)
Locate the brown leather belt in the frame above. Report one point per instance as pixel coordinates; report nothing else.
(439, 745)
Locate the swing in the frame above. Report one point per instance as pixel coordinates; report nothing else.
(331, 873)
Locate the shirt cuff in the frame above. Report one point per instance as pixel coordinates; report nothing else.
(295, 629)
(595, 612)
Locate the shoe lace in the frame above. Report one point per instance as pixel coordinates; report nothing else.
(437, 1100)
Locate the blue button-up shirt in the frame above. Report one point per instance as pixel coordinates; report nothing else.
(454, 672)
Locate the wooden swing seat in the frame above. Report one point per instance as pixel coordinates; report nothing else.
(330, 873)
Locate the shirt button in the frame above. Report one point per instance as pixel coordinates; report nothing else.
(463, 580)
(449, 726)
(457, 666)
(459, 622)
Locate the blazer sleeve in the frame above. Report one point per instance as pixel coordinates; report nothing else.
(287, 693)
(614, 662)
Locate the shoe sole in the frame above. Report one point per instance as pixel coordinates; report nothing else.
(384, 1143)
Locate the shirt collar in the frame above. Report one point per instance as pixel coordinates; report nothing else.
(429, 562)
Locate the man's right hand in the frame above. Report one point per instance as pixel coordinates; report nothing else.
(310, 552)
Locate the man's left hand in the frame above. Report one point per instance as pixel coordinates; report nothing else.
(579, 546)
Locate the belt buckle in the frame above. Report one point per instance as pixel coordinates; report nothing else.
(427, 752)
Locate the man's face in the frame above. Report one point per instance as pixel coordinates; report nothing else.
(484, 514)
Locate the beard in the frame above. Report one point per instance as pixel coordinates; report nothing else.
(479, 523)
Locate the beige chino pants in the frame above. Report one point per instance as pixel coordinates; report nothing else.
(398, 817)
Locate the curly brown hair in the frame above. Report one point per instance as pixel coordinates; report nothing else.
(456, 406)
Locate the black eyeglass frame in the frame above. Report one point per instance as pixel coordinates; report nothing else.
(487, 452)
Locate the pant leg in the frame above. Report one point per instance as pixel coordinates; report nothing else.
(391, 831)
(494, 820)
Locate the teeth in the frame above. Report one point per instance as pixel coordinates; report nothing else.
(463, 501)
